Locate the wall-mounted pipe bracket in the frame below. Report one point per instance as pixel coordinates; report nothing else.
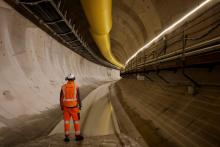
(147, 77)
(190, 79)
(162, 78)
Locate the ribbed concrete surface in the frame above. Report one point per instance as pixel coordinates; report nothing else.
(32, 70)
(33, 66)
(135, 22)
(167, 116)
(125, 124)
(99, 126)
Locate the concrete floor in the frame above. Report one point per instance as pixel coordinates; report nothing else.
(33, 66)
(57, 141)
(96, 115)
(99, 125)
(94, 141)
(28, 127)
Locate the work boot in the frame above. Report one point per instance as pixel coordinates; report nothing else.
(79, 137)
(66, 139)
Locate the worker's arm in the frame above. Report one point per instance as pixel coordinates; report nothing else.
(78, 98)
(61, 99)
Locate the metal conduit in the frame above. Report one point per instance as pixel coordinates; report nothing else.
(198, 37)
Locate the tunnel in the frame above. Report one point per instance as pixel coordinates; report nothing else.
(148, 72)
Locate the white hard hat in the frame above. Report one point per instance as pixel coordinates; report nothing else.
(70, 77)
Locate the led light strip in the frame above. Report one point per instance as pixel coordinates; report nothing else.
(168, 29)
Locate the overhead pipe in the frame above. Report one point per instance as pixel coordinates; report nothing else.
(99, 15)
(90, 54)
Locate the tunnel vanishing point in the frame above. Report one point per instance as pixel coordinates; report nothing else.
(148, 72)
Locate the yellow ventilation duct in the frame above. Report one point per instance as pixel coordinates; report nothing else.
(99, 15)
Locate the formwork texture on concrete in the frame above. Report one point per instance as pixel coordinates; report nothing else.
(33, 67)
(168, 116)
(125, 124)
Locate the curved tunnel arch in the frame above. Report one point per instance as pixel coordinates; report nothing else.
(121, 52)
(33, 66)
(133, 18)
(120, 6)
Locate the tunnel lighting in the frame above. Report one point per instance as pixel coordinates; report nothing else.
(169, 29)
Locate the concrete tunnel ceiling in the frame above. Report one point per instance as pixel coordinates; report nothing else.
(175, 103)
(135, 22)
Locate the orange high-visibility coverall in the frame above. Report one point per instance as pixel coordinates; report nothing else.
(70, 104)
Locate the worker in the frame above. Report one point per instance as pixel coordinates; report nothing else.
(70, 104)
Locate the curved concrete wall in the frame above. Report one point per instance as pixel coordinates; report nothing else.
(167, 115)
(33, 66)
(135, 22)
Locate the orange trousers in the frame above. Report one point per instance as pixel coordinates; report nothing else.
(68, 113)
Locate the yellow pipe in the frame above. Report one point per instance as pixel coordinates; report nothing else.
(103, 42)
(99, 15)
